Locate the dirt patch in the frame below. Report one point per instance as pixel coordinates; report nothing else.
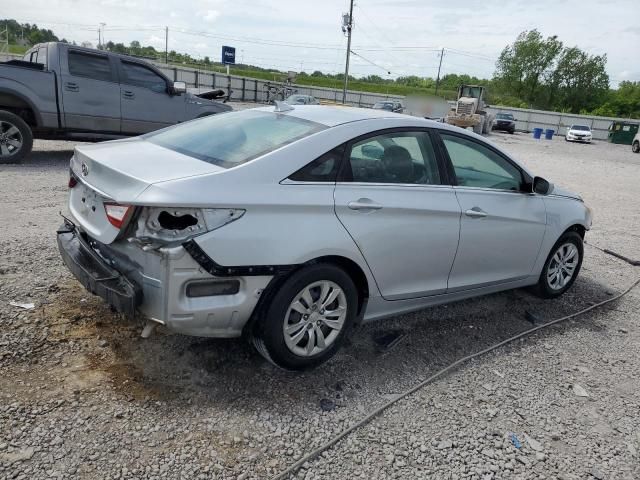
(74, 315)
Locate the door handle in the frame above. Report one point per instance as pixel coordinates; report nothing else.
(364, 204)
(128, 94)
(476, 212)
(72, 87)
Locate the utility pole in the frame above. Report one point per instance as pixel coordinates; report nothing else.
(439, 67)
(347, 26)
(102, 24)
(99, 41)
(166, 45)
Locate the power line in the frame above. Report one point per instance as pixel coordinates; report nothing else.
(371, 62)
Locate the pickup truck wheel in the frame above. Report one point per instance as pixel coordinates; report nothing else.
(16, 138)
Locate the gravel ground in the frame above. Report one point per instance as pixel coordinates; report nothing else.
(83, 396)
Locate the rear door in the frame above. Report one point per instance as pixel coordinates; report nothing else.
(502, 225)
(90, 91)
(145, 99)
(393, 199)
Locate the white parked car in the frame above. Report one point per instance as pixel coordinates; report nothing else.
(579, 133)
(290, 226)
(635, 145)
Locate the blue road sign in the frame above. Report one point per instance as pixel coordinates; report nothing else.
(228, 55)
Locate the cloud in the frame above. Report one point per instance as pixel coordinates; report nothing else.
(211, 15)
(154, 41)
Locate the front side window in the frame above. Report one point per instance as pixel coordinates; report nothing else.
(478, 166)
(397, 157)
(89, 65)
(136, 74)
(234, 138)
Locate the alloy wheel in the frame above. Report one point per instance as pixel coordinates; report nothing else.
(562, 266)
(315, 318)
(10, 139)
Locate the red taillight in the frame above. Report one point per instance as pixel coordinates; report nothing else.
(117, 214)
(73, 181)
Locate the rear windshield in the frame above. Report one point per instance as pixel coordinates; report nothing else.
(580, 127)
(231, 139)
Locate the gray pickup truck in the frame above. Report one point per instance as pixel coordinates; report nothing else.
(61, 91)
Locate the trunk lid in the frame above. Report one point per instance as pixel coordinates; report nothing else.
(118, 172)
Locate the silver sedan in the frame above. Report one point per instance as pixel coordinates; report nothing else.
(291, 225)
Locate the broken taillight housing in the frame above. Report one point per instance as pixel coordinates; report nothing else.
(162, 226)
(117, 214)
(73, 181)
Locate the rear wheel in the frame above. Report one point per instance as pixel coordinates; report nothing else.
(16, 138)
(562, 266)
(635, 147)
(308, 318)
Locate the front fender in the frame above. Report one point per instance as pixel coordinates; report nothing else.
(562, 214)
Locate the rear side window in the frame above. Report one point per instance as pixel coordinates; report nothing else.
(42, 56)
(322, 169)
(136, 74)
(234, 138)
(89, 65)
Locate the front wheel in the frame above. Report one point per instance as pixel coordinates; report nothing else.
(308, 318)
(16, 138)
(562, 266)
(635, 148)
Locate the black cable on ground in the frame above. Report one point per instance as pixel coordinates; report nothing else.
(630, 261)
(318, 451)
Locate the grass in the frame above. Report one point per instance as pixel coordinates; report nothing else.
(18, 49)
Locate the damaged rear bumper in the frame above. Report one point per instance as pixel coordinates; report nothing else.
(159, 284)
(95, 275)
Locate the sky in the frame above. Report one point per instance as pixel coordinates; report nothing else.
(391, 37)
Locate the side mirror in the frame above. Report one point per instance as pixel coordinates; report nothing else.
(179, 87)
(542, 186)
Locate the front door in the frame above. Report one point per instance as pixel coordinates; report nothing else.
(391, 199)
(90, 92)
(502, 226)
(145, 99)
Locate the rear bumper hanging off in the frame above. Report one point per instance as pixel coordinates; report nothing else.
(94, 274)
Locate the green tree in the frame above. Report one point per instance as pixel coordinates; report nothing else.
(579, 82)
(525, 66)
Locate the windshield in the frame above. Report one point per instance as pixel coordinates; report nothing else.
(383, 105)
(580, 127)
(504, 116)
(231, 139)
(473, 92)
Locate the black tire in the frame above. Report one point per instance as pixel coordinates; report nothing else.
(512, 132)
(635, 148)
(269, 335)
(8, 120)
(543, 287)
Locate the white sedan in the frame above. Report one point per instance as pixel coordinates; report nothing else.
(579, 133)
(292, 225)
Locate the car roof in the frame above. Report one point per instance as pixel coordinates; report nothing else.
(331, 116)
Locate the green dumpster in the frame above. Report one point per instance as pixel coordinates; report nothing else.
(622, 132)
